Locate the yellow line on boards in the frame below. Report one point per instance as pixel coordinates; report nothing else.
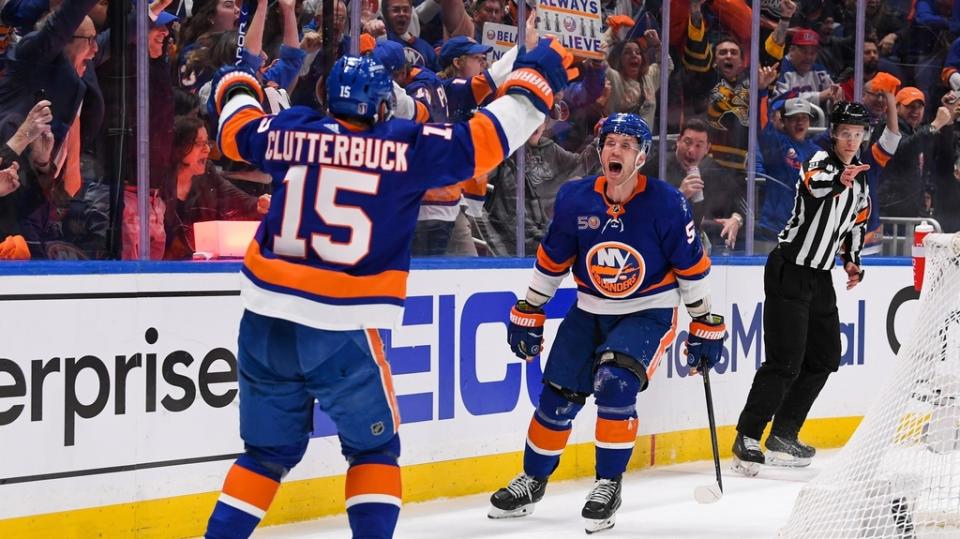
(186, 516)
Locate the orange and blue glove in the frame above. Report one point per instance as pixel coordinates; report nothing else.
(705, 341)
(540, 73)
(525, 332)
(228, 81)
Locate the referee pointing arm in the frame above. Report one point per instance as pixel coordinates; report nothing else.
(800, 319)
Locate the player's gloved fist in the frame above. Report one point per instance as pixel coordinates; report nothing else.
(525, 333)
(540, 73)
(705, 341)
(229, 81)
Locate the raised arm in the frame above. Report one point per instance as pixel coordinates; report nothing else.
(285, 71)
(456, 21)
(499, 128)
(253, 41)
(44, 45)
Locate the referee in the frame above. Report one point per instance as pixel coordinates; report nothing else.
(800, 320)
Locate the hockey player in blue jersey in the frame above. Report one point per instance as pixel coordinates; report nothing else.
(328, 267)
(632, 246)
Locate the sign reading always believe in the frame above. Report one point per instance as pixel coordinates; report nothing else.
(576, 22)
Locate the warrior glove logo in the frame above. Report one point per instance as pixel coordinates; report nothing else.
(616, 269)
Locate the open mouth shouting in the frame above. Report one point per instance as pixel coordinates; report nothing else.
(728, 69)
(615, 168)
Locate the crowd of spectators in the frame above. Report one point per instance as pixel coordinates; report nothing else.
(61, 195)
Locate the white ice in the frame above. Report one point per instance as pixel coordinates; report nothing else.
(657, 502)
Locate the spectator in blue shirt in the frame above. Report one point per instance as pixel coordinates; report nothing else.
(396, 16)
(784, 151)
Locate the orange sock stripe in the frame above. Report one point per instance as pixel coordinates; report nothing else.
(376, 348)
(250, 487)
(617, 430)
(373, 479)
(547, 439)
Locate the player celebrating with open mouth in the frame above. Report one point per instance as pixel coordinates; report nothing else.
(635, 254)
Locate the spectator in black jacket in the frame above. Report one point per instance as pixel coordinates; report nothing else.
(904, 185)
(57, 59)
(19, 180)
(202, 193)
(945, 171)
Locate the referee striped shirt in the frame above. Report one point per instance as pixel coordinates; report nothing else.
(827, 216)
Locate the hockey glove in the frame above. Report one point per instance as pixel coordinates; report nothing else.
(525, 333)
(230, 81)
(705, 341)
(539, 73)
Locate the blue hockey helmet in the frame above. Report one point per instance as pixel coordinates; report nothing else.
(623, 123)
(360, 87)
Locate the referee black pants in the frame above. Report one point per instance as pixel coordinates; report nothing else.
(801, 334)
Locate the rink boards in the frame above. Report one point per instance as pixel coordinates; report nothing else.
(118, 400)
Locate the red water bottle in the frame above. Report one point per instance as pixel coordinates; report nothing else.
(919, 253)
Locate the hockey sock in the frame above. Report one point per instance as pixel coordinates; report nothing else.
(249, 488)
(615, 389)
(247, 493)
(373, 491)
(548, 433)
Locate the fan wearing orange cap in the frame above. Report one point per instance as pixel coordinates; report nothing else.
(910, 106)
(903, 187)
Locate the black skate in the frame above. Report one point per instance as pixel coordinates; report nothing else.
(789, 452)
(519, 498)
(747, 456)
(603, 501)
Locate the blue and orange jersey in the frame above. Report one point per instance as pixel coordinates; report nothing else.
(881, 151)
(466, 95)
(334, 250)
(641, 254)
(441, 203)
(463, 97)
(426, 88)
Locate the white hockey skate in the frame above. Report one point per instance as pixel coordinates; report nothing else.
(518, 499)
(788, 452)
(600, 511)
(747, 456)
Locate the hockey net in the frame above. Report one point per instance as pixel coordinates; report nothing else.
(899, 475)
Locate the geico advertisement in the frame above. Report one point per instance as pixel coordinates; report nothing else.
(146, 375)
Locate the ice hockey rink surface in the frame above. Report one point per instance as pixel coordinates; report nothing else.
(657, 502)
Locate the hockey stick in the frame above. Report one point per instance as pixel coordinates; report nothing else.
(713, 492)
(243, 22)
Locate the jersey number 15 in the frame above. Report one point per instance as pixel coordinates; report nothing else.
(330, 181)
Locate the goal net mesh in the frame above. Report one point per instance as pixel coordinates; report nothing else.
(899, 475)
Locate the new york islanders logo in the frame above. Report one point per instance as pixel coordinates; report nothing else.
(615, 269)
